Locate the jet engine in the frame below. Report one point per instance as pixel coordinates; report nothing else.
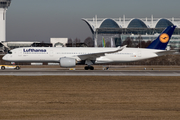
(67, 62)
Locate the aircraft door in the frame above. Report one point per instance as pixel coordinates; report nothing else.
(51, 53)
(20, 53)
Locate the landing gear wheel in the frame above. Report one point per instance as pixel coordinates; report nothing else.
(17, 68)
(2, 68)
(89, 67)
(86, 67)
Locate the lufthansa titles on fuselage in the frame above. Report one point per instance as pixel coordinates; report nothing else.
(34, 51)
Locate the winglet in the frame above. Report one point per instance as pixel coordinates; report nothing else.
(163, 39)
(121, 48)
(118, 49)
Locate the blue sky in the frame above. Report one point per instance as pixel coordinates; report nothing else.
(39, 20)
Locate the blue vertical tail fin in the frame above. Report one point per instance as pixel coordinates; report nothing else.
(163, 39)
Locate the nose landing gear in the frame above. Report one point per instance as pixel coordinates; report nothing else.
(89, 68)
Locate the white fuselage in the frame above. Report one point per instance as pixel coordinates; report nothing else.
(50, 54)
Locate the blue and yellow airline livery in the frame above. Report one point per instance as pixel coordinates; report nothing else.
(163, 39)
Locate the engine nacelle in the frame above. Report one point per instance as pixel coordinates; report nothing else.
(67, 62)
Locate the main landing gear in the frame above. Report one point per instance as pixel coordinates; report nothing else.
(89, 67)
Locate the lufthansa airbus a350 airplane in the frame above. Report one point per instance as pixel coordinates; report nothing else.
(70, 57)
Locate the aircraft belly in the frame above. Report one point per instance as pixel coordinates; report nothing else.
(120, 58)
(103, 60)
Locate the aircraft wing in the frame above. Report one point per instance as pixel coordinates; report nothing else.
(93, 56)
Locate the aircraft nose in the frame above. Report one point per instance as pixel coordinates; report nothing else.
(4, 57)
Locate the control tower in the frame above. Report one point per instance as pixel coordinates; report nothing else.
(4, 4)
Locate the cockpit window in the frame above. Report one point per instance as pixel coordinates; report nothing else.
(9, 52)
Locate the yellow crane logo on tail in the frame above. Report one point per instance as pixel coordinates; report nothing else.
(164, 38)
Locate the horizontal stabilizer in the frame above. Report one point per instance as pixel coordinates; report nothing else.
(169, 52)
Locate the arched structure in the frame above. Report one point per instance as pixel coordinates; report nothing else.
(109, 23)
(163, 23)
(98, 23)
(90, 26)
(136, 23)
(126, 26)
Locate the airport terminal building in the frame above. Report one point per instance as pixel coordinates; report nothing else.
(119, 29)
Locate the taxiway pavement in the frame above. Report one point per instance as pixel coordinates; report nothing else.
(60, 72)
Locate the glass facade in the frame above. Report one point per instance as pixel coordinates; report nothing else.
(5, 3)
(117, 42)
(163, 23)
(109, 23)
(136, 23)
(174, 43)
